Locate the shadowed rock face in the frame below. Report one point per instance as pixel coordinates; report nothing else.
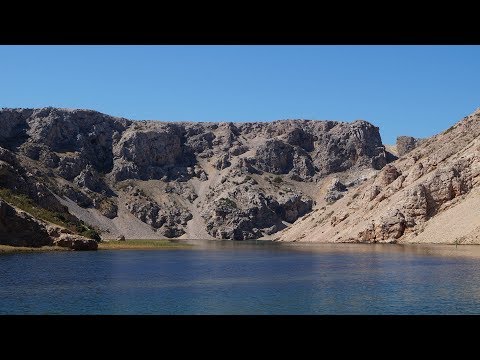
(20, 229)
(89, 158)
(348, 145)
(278, 157)
(405, 144)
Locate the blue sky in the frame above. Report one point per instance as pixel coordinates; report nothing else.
(405, 90)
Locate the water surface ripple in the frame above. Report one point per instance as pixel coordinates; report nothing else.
(236, 278)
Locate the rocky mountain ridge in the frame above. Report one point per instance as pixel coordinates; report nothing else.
(151, 179)
(429, 195)
(289, 180)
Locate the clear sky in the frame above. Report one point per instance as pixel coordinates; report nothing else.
(405, 90)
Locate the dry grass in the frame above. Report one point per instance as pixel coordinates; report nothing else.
(4, 249)
(110, 245)
(134, 244)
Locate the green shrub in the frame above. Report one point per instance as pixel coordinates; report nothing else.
(228, 202)
(87, 231)
(25, 203)
(91, 234)
(277, 180)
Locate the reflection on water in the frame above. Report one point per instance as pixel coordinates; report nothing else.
(246, 278)
(472, 251)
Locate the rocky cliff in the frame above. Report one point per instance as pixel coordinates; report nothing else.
(288, 180)
(430, 194)
(150, 179)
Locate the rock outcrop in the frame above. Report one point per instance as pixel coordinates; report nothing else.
(75, 242)
(287, 180)
(18, 228)
(278, 157)
(335, 191)
(251, 214)
(405, 144)
(222, 180)
(420, 197)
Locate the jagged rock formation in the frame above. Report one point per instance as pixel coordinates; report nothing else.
(154, 179)
(430, 194)
(291, 180)
(405, 144)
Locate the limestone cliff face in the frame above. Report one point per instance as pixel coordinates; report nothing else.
(157, 179)
(429, 194)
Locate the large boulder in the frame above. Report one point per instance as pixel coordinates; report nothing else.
(387, 229)
(75, 242)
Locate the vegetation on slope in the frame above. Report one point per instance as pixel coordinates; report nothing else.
(26, 204)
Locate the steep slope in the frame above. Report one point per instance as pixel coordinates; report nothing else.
(150, 179)
(430, 194)
(20, 229)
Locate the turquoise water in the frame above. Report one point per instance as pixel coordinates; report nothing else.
(236, 278)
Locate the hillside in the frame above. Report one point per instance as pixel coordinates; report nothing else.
(151, 179)
(288, 180)
(429, 195)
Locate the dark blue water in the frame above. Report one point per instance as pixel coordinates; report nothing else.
(241, 279)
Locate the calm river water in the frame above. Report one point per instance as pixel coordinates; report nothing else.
(242, 278)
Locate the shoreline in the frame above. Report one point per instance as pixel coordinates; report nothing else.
(7, 249)
(139, 244)
(133, 244)
(468, 250)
